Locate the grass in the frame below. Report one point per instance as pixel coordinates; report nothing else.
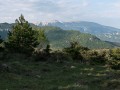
(25, 74)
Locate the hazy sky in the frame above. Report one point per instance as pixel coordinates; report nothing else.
(106, 12)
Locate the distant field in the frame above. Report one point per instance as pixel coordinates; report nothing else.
(30, 75)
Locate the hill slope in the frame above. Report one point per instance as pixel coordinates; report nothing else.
(4, 28)
(60, 38)
(105, 33)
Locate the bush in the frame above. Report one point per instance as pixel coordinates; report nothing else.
(42, 54)
(59, 56)
(51, 56)
(114, 64)
(75, 51)
(114, 59)
(94, 57)
(39, 56)
(1, 46)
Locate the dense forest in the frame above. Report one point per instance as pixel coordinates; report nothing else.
(49, 58)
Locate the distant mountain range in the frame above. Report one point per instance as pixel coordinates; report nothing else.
(60, 38)
(105, 33)
(4, 28)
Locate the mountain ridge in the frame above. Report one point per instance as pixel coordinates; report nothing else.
(60, 38)
(106, 33)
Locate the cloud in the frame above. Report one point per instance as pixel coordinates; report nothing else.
(63, 10)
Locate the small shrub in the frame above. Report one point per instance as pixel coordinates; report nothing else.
(42, 54)
(1, 46)
(60, 56)
(75, 51)
(95, 58)
(47, 50)
(114, 59)
(114, 64)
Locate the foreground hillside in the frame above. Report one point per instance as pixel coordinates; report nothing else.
(18, 72)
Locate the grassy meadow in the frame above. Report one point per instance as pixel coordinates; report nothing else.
(19, 72)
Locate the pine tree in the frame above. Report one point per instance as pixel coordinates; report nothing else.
(22, 37)
(41, 37)
(1, 47)
(74, 50)
(47, 50)
(1, 40)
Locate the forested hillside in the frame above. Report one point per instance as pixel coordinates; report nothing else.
(59, 38)
(105, 33)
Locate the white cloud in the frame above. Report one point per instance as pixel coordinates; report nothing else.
(63, 10)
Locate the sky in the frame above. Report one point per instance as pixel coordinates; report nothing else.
(105, 12)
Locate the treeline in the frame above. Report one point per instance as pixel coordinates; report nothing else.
(33, 42)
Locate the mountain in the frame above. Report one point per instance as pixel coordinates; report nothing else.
(60, 38)
(4, 28)
(105, 33)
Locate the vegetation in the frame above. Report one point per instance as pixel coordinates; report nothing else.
(1, 40)
(22, 38)
(41, 38)
(1, 46)
(114, 60)
(75, 51)
(28, 62)
(19, 72)
(59, 38)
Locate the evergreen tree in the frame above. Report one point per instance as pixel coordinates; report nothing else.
(74, 50)
(22, 37)
(1, 40)
(47, 50)
(42, 39)
(1, 47)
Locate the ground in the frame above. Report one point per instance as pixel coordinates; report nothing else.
(26, 74)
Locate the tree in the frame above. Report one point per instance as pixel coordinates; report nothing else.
(41, 37)
(1, 47)
(47, 50)
(1, 40)
(22, 37)
(74, 50)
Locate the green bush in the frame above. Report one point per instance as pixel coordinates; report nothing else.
(75, 51)
(1, 46)
(51, 56)
(114, 58)
(94, 57)
(42, 54)
(114, 64)
(39, 55)
(59, 56)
